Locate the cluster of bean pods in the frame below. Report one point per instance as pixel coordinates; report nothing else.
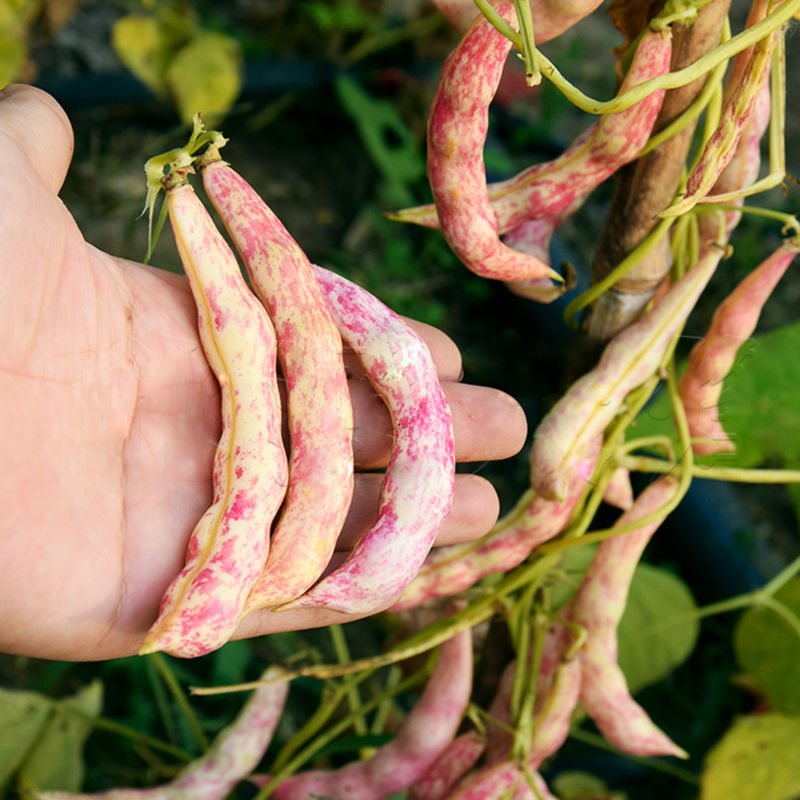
(270, 533)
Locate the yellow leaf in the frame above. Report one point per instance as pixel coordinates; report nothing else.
(144, 48)
(205, 76)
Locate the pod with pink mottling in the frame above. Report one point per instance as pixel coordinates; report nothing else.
(425, 733)
(457, 126)
(449, 570)
(713, 356)
(454, 762)
(320, 416)
(229, 545)
(628, 360)
(234, 754)
(419, 484)
(598, 607)
(504, 781)
(548, 189)
(736, 114)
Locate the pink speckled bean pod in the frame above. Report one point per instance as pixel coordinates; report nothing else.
(454, 762)
(233, 756)
(457, 125)
(229, 545)
(629, 359)
(533, 237)
(548, 189)
(424, 734)
(320, 415)
(736, 113)
(418, 487)
(598, 607)
(449, 570)
(713, 356)
(503, 781)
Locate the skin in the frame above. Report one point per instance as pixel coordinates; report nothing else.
(111, 417)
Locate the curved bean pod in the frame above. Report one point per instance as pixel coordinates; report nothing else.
(503, 781)
(229, 545)
(598, 607)
(548, 189)
(418, 488)
(449, 570)
(456, 760)
(320, 415)
(619, 492)
(424, 734)
(457, 125)
(234, 754)
(713, 356)
(628, 360)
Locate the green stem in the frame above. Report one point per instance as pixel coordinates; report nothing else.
(343, 656)
(790, 221)
(329, 703)
(732, 474)
(533, 77)
(499, 24)
(120, 729)
(695, 108)
(646, 246)
(181, 700)
(671, 80)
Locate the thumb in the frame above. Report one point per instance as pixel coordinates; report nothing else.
(40, 128)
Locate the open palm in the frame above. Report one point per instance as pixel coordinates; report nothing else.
(110, 418)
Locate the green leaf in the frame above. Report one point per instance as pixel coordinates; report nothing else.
(206, 76)
(768, 651)
(56, 760)
(22, 717)
(651, 642)
(390, 143)
(756, 760)
(144, 48)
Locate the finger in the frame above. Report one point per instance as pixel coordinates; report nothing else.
(475, 510)
(488, 424)
(40, 128)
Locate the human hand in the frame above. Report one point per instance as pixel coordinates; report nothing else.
(110, 419)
